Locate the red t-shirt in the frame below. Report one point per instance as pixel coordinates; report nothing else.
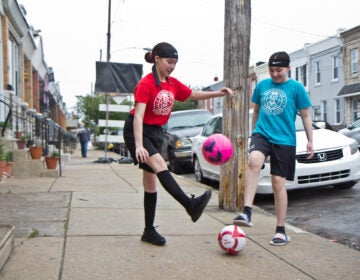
(159, 101)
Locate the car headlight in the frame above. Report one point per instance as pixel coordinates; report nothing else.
(354, 147)
(182, 143)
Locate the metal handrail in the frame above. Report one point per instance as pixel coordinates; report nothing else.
(35, 127)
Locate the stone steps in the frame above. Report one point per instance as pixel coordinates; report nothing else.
(6, 243)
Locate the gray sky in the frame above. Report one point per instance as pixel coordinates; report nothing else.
(74, 32)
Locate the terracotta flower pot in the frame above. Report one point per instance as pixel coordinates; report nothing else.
(36, 152)
(2, 168)
(21, 144)
(8, 168)
(18, 134)
(51, 162)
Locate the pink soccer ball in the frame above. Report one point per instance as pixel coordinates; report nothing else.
(232, 239)
(217, 149)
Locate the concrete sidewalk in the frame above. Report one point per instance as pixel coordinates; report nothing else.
(87, 225)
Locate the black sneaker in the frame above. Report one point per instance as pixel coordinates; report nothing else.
(198, 204)
(152, 236)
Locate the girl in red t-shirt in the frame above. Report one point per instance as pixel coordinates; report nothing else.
(155, 95)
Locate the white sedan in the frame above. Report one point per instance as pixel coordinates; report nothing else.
(336, 159)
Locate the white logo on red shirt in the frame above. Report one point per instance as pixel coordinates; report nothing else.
(163, 103)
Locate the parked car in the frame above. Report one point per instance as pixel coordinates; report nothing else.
(352, 131)
(324, 124)
(179, 131)
(336, 159)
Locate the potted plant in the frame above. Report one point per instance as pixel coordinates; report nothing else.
(35, 151)
(19, 134)
(21, 143)
(9, 158)
(52, 160)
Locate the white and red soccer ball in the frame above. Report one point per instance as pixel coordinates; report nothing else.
(232, 239)
(217, 149)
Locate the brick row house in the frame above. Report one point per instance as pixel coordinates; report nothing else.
(24, 74)
(350, 93)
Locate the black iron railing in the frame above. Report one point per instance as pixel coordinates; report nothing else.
(19, 122)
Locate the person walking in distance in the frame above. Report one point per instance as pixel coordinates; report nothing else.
(277, 100)
(155, 95)
(84, 138)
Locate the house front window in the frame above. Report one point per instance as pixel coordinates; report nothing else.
(300, 74)
(338, 110)
(317, 73)
(335, 68)
(324, 105)
(354, 110)
(14, 66)
(354, 62)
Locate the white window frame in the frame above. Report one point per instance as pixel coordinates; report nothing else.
(317, 72)
(324, 110)
(14, 66)
(335, 68)
(338, 114)
(355, 111)
(354, 61)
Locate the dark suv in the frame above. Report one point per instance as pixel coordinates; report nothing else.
(179, 132)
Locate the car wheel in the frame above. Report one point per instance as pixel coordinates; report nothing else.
(199, 177)
(174, 166)
(345, 186)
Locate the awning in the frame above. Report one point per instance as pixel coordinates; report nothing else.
(350, 90)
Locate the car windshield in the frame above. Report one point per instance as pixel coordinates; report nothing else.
(179, 121)
(356, 124)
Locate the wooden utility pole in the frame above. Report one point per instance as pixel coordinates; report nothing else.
(236, 109)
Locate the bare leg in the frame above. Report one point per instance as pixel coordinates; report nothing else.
(149, 182)
(256, 161)
(280, 198)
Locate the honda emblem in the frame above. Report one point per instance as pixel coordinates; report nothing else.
(322, 156)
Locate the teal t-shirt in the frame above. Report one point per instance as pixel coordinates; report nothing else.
(279, 104)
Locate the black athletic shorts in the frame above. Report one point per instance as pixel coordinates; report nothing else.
(282, 157)
(153, 137)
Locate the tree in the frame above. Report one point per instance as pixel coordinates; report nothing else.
(187, 105)
(88, 107)
(236, 109)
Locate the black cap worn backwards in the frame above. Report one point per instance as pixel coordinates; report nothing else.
(279, 59)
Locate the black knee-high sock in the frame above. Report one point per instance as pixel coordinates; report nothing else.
(150, 200)
(170, 185)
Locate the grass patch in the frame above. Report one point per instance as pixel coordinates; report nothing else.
(34, 233)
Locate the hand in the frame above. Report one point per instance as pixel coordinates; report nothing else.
(310, 150)
(141, 154)
(226, 90)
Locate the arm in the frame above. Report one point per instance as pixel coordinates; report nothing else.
(198, 95)
(255, 116)
(306, 118)
(140, 152)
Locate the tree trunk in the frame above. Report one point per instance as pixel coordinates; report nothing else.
(236, 109)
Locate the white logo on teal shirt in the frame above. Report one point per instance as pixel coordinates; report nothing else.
(274, 101)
